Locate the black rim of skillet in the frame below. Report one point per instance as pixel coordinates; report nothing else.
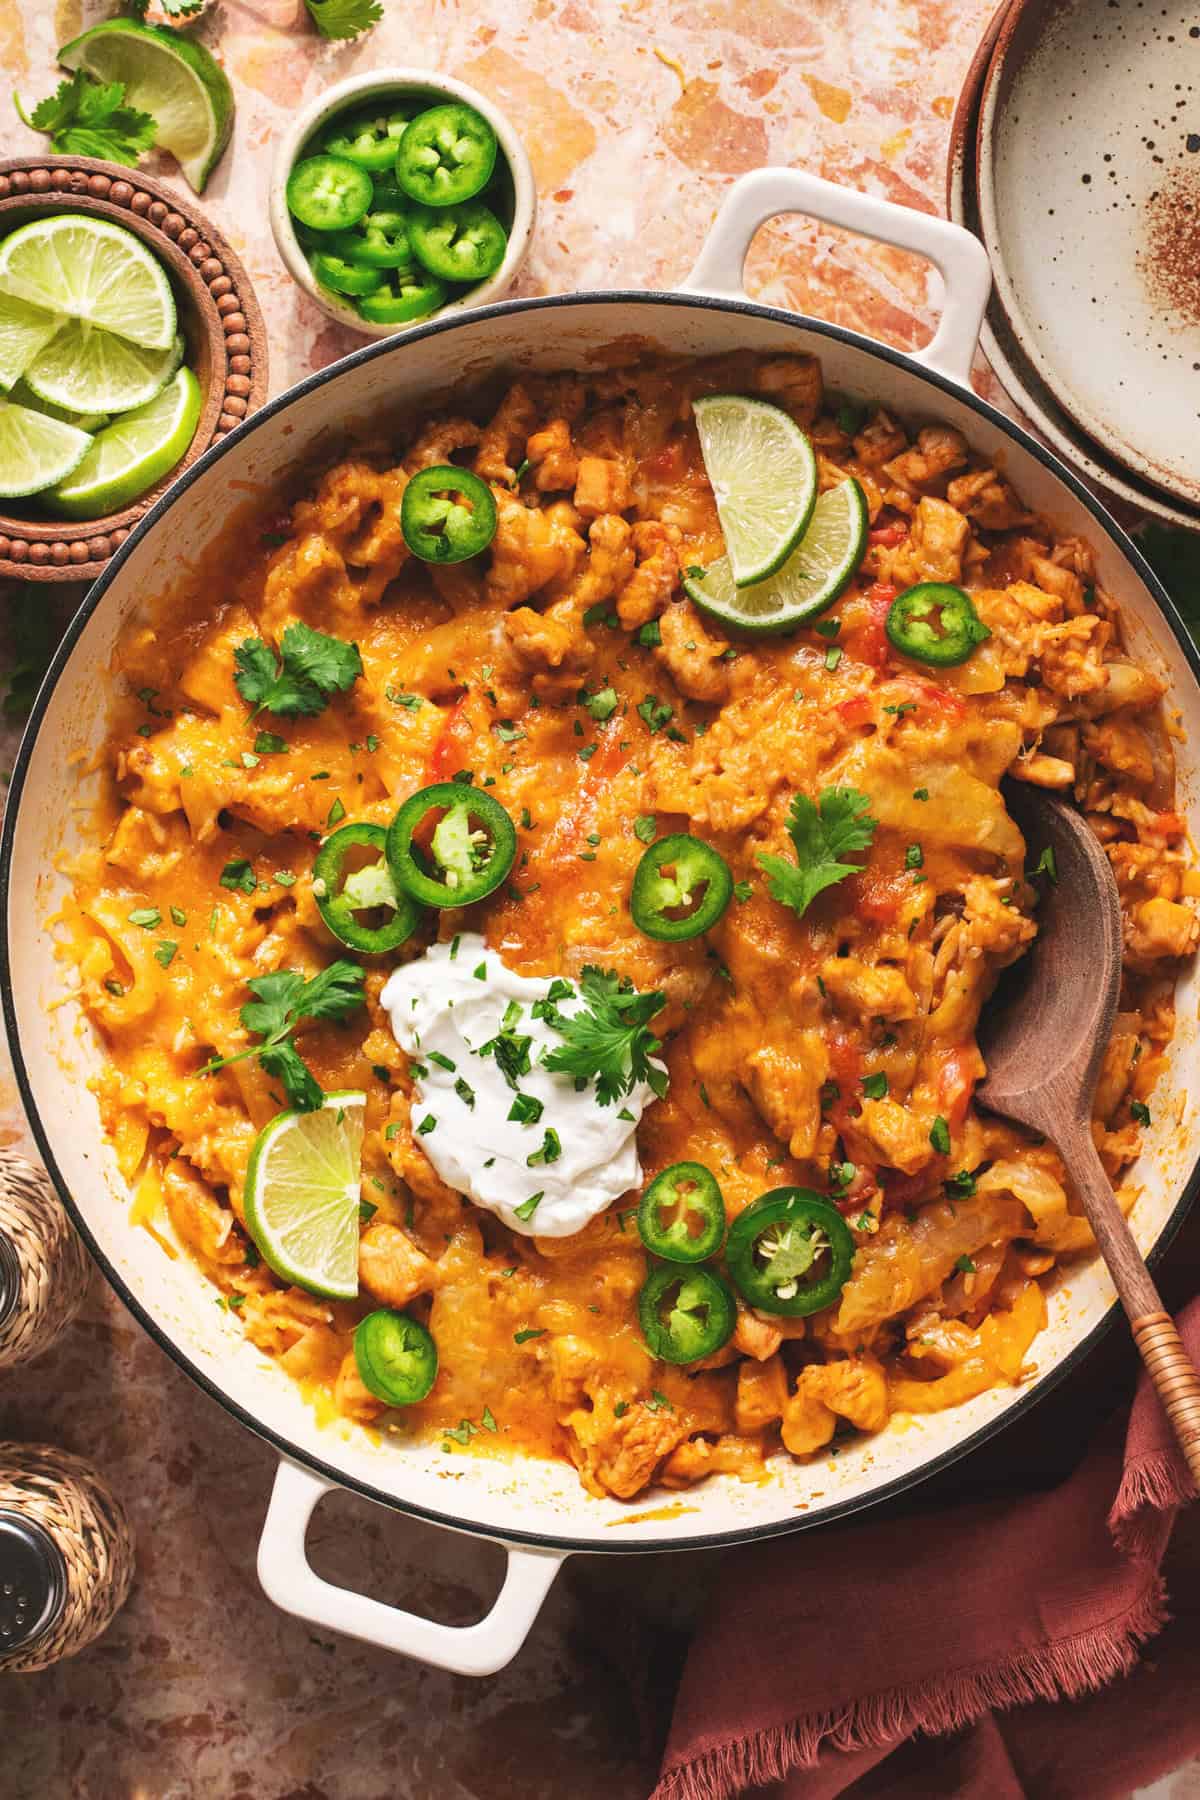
(888, 1490)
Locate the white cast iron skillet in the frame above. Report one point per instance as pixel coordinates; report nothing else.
(537, 1509)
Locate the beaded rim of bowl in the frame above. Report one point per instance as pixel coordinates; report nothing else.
(230, 320)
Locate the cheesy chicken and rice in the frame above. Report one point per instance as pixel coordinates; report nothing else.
(833, 1051)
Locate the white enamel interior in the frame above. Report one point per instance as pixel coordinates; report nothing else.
(517, 1499)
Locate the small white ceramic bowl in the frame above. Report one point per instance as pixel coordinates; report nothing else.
(433, 89)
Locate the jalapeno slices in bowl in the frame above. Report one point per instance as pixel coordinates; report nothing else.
(400, 206)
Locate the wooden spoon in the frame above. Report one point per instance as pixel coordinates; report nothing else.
(1044, 1047)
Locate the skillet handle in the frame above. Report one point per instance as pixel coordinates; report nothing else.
(960, 258)
(288, 1579)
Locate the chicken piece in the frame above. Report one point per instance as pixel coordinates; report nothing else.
(855, 1388)
(694, 657)
(602, 486)
(894, 1135)
(933, 550)
(391, 1267)
(619, 1456)
(531, 548)
(351, 1395)
(793, 382)
(1122, 746)
(145, 845)
(988, 501)
(784, 1082)
(1063, 583)
(540, 641)
(572, 1362)
(1120, 684)
(553, 458)
(808, 1424)
(649, 588)
(411, 1164)
(938, 449)
(357, 508)
(872, 990)
(698, 1458)
(609, 564)
(755, 1336)
(880, 440)
(1160, 928)
(504, 436)
(205, 1226)
(438, 442)
(762, 1394)
(1043, 771)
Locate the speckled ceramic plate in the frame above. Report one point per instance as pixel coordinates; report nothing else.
(1012, 367)
(1089, 195)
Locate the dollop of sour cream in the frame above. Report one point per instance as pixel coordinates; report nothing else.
(444, 1007)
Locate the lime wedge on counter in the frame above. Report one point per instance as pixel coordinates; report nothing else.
(764, 478)
(89, 370)
(35, 451)
(24, 330)
(302, 1192)
(809, 581)
(93, 270)
(169, 76)
(21, 395)
(132, 453)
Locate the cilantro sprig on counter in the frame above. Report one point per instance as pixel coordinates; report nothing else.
(344, 18)
(838, 825)
(281, 1001)
(609, 1037)
(310, 668)
(90, 118)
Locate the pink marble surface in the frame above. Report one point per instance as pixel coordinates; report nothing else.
(637, 117)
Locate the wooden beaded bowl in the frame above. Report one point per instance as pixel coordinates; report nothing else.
(218, 315)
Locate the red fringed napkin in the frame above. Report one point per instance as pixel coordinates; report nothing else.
(829, 1662)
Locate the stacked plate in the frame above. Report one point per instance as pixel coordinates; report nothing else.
(1075, 157)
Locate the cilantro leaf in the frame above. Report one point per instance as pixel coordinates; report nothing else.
(609, 1037)
(839, 824)
(344, 18)
(84, 117)
(311, 667)
(281, 1000)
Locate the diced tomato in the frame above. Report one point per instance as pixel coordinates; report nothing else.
(959, 1071)
(854, 711)
(872, 644)
(1170, 824)
(666, 464)
(944, 699)
(877, 897)
(447, 754)
(888, 534)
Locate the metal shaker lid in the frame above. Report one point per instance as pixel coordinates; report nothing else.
(33, 1581)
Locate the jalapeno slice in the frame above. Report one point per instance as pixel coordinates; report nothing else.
(380, 241)
(446, 155)
(466, 855)
(407, 297)
(328, 193)
(682, 1214)
(367, 138)
(345, 277)
(790, 1252)
(685, 1313)
(396, 1357)
(361, 904)
(458, 243)
(681, 887)
(447, 514)
(935, 622)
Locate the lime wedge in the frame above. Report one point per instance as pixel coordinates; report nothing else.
(89, 370)
(811, 579)
(132, 453)
(21, 395)
(169, 76)
(764, 478)
(24, 330)
(301, 1195)
(35, 451)
(93, 270)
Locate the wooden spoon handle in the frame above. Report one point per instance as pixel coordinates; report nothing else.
(1175, 1382)
(1174, 1374)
